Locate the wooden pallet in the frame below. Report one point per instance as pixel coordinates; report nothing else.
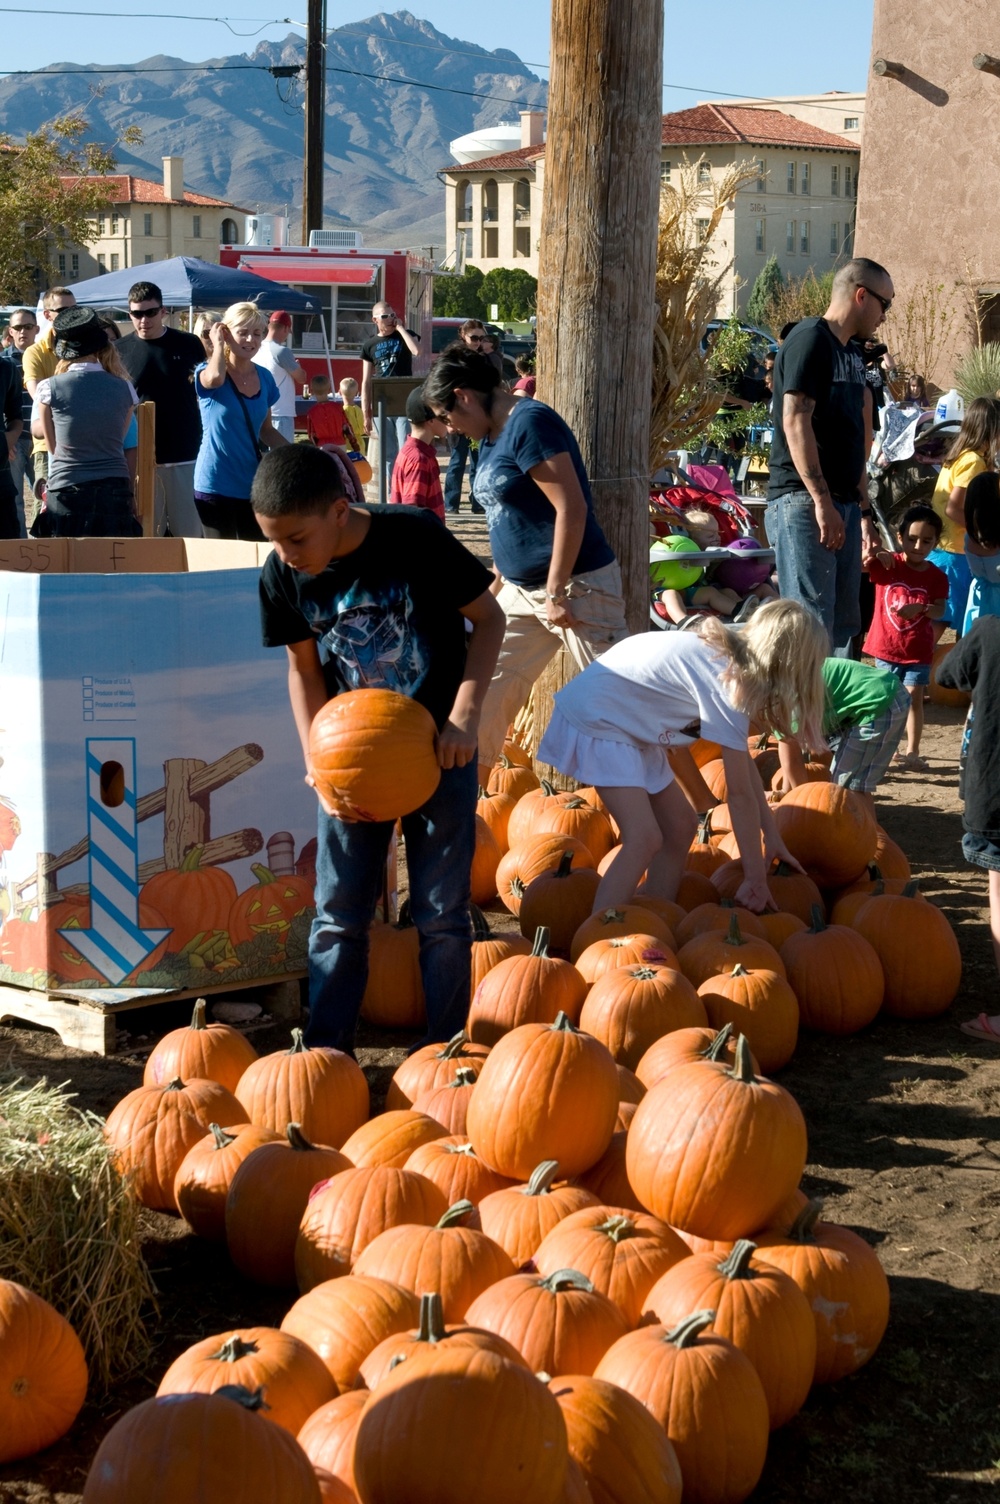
(85, 1019)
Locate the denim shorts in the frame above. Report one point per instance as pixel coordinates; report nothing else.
(907, 673)
(981, 851)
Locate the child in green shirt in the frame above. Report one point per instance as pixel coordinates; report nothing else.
(866, 710)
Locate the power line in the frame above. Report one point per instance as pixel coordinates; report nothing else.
(150, 15)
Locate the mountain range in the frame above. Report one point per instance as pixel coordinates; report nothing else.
(397, 92)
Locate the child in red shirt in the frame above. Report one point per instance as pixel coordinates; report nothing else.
(325, 422)
(910, 594)
(416, 476)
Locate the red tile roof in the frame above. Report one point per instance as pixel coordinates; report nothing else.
(123, 188)
(505, 160)
(728, 124)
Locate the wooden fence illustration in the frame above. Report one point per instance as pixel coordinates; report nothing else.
(185, 803)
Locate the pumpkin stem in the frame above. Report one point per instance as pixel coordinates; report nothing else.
(250, 1399)
(463, 1077)
(566, 1279)
(618, 1228)
(704, 829)
(802, 1229)
(874, 871)
(541, 1178)
(233, 1349)
(643, 973)
(503, 762)
(783, 870)
(733, 936)
(743, 1066)
(222, 1140)
(739, 970)
(431, 1327)
(687, 1332)
(737, 1265)
(465, 1149)
(456, 1214)
(564, 1024)
(192, 859)
(717, 1048)
(565, 866)
(175, 1085)
(483, 793)
(198, 1016)
(297, 1138)
(298, 1045)
(480, 924)
(517, 887)
(541, 945)
(818, 921)
(263, 874)
(912, 889)
(455, 1046)
(548, 789)
(612, 916)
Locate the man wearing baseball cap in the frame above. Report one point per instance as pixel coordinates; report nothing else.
(276, 357)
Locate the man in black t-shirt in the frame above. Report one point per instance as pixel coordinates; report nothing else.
(389, 352)
(818, 517)
(161, 363)
(378, 598)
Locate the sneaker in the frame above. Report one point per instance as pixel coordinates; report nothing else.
(746, 608)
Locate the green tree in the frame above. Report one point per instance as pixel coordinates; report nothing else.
(513, 290)
(460, 297)
(51, 191)
(765, 290)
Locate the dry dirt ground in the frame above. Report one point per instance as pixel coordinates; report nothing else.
(904, 1148)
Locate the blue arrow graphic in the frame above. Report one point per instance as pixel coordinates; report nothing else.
(114, 944)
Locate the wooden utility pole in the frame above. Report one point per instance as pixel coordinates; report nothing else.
(315, 109)
(597, 269)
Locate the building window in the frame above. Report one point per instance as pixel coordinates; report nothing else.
(664, 172)
(522, 201)
(848, 174)
(147, 260)
(522, 240)
(100, 224)
(761, 177)
(791, 231)
(704, 172)
(851, 122)
(491, 209)
(805, 188)
(759, 235)
(835, 239)
(62, 266)
(835, 181)
(848, 240)
(101, 264)
(701, 230)
(196, 226)
(229, 233)
(114, 224)
(147, 224)
(790, 177)
(114, 261)
(74, 262)
(804, 237)
(491, 243)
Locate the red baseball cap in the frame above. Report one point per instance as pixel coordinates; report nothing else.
(281, 317)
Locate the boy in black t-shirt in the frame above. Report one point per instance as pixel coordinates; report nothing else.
(378, 598)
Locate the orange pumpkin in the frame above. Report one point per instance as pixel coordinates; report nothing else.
(488, 949)
(550, 811)
(514, 751)
(343, 1320)
(206, 1172)
(829, 830)
(687, 1047)
(917, 950)
(547, 1091)
(432, 1065)
(350, 1211)
(210, 1052)
(608, 1180)
(704, 855)
(622, 1450)
(372, 754)
(664, 908)
(194, 900)
(432, 1329)
(495, 810)
(327, 1438)
(955, 699)
(624, 1253)
(559, 900)
(485, 861)
(630, 919)
(455, 1261)
(321, 1089)
(269, 907)
(632, 1007)
(522, 864)
(760, 1005)
(711, 953)
(694, 888)
(43, 1373)
(717, 916)
(295, 1380)
(152, 1129)
(836, 976)
(267, 1198)
(558, 1323)
(449, 1104)
(622, 950)
(453, 1166)
(519, 1218)
(890, 858)
(777, 927)
(391, 1138)
(508, 777)
(525, 990)
(394, 992)
(56, 952)
(793, 892)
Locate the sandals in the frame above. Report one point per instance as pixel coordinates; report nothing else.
(981, 1028)
(912, 762)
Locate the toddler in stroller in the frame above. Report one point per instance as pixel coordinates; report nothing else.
(729, 586)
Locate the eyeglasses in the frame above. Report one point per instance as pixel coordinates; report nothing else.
(475, 339)
(19, 328)
(886, 302)
(145, 313)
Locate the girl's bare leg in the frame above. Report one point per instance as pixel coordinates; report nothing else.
(640, 841)
(914, 719)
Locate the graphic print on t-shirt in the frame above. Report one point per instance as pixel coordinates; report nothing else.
(386, 353)
(689, 733)
(896, 595)
(371, 641)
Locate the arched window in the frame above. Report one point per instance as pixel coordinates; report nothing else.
(229, 233)
(522, 200)
(463, 202)
(491, 202)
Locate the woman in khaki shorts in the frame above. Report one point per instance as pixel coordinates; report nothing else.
(557, 579)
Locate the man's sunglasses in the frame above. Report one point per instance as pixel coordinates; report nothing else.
(886, 302)
(17, 328)
(145, 313)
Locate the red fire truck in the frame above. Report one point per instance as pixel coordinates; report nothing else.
(348, 280)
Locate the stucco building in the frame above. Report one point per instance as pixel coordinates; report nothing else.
(927, 207)
(800, 205)
(148, 221)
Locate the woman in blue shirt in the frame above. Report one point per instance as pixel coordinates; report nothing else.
(557, 579)
(235, 399)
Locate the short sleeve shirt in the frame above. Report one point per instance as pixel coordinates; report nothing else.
(959, 473)
(659, 688)
(416, 477)
(855, 693)
(280, 362)
(814, 362)
(388, 353)
(388, 615)
(520, 517)
(892, 637)
(162, 371)
(227, 460)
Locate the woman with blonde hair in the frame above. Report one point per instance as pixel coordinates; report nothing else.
(84, 410)
(973, 453)
(614, 725)
(235, 397)
(203, 329)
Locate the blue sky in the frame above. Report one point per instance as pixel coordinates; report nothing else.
(798, 49)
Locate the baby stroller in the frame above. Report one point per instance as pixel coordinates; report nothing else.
(706, 488)
(908, 455)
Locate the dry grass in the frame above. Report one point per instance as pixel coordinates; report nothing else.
(70, 1226)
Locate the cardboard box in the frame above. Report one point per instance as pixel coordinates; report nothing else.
(151, 784)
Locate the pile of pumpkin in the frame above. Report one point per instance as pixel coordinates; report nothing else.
(535, 1275)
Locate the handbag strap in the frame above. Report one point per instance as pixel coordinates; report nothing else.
(246, 416)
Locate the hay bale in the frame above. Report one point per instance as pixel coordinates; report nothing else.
(70, 1225)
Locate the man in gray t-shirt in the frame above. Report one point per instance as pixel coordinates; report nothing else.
(275, 356)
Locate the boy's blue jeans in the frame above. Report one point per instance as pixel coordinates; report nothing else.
(350, 860)
(461, 450)
(827, 583)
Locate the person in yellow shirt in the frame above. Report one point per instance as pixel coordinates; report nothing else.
(39, 363)
(974, 451)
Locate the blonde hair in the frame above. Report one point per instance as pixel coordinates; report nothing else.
(204, 322)
(245, 316)
(775, 669)
(702, 525)
(107, 356)
(348, 387)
